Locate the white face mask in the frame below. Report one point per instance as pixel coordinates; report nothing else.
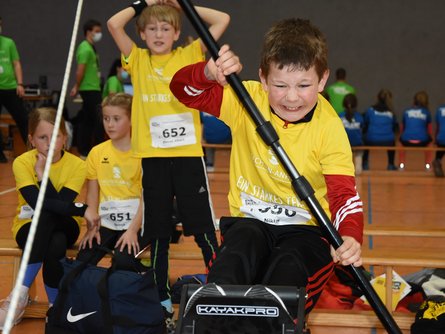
(97, 37)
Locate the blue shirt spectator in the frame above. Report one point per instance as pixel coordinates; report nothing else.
(353, 127)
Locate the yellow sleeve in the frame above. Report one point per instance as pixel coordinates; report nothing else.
(23, 169)
(78, 175)
(92, 164)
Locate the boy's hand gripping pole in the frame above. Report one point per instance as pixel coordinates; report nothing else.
(299, 183)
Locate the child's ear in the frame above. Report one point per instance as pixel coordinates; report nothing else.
(323, 80)
(177, 34)
(141, 33)
(263, 79)
(30, 141)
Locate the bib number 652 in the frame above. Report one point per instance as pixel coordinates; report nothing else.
(173, 132)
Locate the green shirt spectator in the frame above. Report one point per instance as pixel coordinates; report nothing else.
(8, 55)
(11, 87)
(116, 77)
(86, 54)
(338, 90)
(87, 84)
(113, 85)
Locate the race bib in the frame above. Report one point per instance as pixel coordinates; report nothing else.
(172, 130)
(118, 215)
(273, 214)
(26, 212)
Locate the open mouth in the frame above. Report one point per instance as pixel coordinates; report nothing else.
(287, 108)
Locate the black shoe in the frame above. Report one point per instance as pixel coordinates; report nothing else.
(437, 166)
(3, 158)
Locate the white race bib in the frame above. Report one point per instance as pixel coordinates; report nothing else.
(118, 215)
(26, 212)
(172, 130)
(273, 214)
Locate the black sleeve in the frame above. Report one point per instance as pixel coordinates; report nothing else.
(65, 194)
(51, 192)
(63, 205)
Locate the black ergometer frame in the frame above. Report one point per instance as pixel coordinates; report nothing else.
(301, 186)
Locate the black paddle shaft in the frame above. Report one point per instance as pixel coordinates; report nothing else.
(301, 186)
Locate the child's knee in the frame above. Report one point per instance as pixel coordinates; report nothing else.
(286, 268)
(57, 246)
(230, 267)
(125, 261)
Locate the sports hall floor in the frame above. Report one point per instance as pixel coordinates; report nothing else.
(410, 198)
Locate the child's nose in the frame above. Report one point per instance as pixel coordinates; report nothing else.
(291, 95)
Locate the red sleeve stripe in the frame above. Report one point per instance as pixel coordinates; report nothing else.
(192, 91)
(352, 205)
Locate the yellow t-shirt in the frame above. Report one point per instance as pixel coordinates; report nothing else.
(119, 175)
(259, 186)
(161, 125)
(68, 172)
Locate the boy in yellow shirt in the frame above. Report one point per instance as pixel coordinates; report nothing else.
(271, 230)
(166, 134)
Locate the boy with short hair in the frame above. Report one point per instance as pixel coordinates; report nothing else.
(271, 229)
(166, 135)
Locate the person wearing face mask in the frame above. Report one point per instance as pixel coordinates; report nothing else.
(116, 77)
(11, 87)
(87, 84)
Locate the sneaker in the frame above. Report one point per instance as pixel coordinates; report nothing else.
(20, 310)
(391, 167)
(437, 167)
(170, 323)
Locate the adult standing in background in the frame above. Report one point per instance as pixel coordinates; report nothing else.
(90, 127)
(339, 89)
(11, 87)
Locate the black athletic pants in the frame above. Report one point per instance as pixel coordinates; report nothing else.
(253, 252)
(391, 153)
(185, 179)
(122, 260)
(90, 129)
(14, 104)
(54, 235)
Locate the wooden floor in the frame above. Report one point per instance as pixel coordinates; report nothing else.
(409, 198)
